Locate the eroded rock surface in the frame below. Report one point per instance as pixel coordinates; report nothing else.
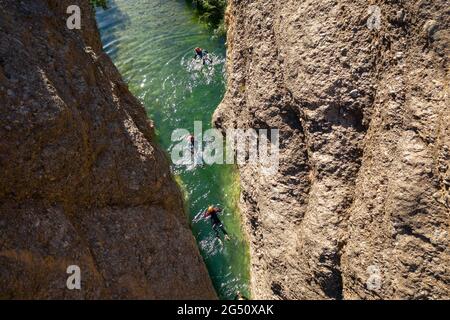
(82, 181)
(360, 205)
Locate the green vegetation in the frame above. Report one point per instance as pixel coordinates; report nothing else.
(212, 12)
(99, 3)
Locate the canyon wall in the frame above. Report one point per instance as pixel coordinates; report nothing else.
(82, 181)
(359, 208)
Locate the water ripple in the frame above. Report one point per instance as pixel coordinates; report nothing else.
(151, 42)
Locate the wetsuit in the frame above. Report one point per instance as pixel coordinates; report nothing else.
(215, 221)
(203, 54)
(199, 53)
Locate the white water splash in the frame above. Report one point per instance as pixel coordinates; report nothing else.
(201, 74)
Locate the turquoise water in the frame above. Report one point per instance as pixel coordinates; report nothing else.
(151, 42)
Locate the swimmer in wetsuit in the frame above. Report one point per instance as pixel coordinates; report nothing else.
(202, 54)
(212, 212)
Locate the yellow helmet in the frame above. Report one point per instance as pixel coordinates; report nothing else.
(210, 209)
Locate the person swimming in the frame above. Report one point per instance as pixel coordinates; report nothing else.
(202, 54)
(212, 213)
(191, 140)
(240, 296)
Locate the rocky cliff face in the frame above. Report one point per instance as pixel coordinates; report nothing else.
(360, 205)
(82, 181)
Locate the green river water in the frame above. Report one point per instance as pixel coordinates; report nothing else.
(151, 42)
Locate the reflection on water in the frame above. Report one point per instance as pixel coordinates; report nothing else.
(151, 42)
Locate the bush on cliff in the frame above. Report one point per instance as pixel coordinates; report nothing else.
(212, 12)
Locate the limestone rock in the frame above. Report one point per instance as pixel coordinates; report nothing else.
(359, 207)
(82, 181)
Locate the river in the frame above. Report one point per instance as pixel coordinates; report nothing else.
(151, 42)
